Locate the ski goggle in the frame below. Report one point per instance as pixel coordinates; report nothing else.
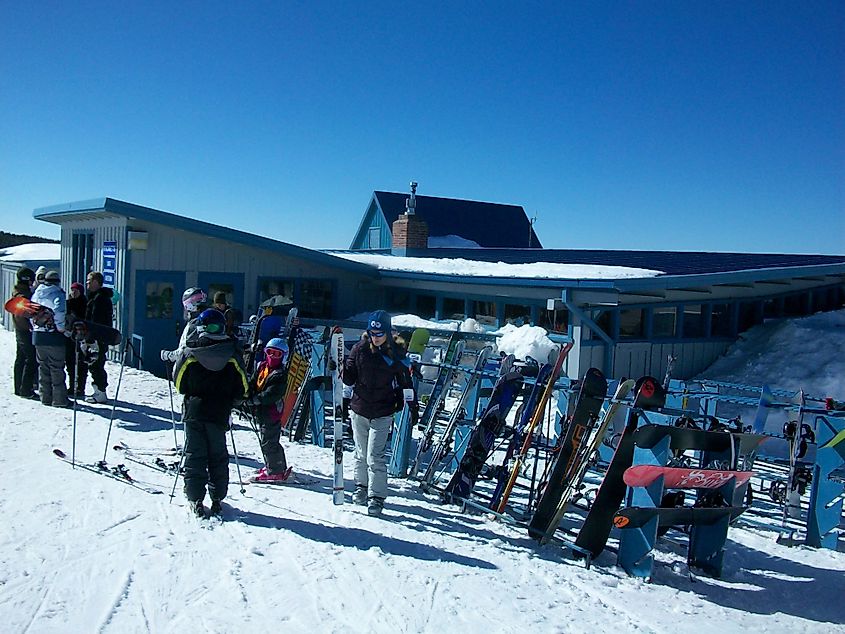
(213, 329)
(274, 353)
(376, 333)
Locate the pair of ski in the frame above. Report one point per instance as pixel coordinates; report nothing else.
(118, 472)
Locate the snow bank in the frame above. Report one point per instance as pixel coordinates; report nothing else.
(525, 341)
(35, 252)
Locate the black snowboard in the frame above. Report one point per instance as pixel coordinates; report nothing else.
(584, 416)
(683, 438)
(483, 436)
(636, 517)
(596, 529)
(84, 330)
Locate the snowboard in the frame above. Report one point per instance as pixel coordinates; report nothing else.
(299, 371)
(409, 418)
(590, 397)
(637, 517)
(536, 417)
(596, 528)
(336, 352)
(677, 478)
(524, 415)
(43, 317)
(483, 436)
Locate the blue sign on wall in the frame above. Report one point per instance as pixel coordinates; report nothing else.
(109, 263)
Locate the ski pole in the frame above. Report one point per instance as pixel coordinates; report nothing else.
(73, 387)
(235, 450)
(178, 473)
(169, 369)
(114, 401)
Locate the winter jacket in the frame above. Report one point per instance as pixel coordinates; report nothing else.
(76, 307)
(267, 387)
(378, 376)
(23, 327)
(98, 308)
(211, 376)
(53, 297)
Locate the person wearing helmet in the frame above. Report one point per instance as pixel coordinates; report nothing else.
(194, 301)
(25, 362)
(40, 272)
(378, 371)
(266, 403)
(209, 372)
(49, 340)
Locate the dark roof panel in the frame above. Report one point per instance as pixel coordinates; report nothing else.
(670, 262)
(491, 225)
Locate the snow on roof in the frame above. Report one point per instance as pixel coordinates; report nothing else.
(473, 268)
(35, 252)
(451, 242)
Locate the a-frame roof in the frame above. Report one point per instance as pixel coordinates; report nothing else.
(490, 225)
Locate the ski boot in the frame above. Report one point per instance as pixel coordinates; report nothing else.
(197, 508)
(375, 506)
(359, 497)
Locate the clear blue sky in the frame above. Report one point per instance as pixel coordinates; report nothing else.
(626, 125)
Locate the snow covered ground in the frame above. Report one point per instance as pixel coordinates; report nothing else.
(82, 553)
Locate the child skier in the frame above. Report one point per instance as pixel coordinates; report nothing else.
(209, 372)
(267, 389)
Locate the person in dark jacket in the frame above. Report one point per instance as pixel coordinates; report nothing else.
(266, 403)
(377, 371)
(77, 369)
(25, 362)
(98, 310)
(210, 373)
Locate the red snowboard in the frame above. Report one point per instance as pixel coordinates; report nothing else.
(675, 478)
(23, 307)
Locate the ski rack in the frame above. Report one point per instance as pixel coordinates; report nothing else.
(706, 540)
(826, 494)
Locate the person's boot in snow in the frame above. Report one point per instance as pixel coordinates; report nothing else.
(375, 506)
(197, 508)
(359, 497)
(216, 508)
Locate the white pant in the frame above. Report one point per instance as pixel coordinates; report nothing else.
(370, 453)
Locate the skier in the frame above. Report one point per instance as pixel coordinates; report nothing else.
(25, 362)
(209, 372)
(267, 390)
(40, 272)
(49, 341)
(77, 372)
(376, 369)
(194, 302)
(98, 310)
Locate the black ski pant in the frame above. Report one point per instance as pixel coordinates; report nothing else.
(25, 365)
(77, 369)
(98, 369)
(206, 460)
(269, 433)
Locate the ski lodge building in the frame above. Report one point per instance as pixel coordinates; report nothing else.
(444, 258)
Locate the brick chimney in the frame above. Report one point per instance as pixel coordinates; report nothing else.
(410, 232)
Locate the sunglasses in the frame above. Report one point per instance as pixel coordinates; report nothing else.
(214, 329)
(376, 333)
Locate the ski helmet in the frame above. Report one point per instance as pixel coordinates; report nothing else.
(276, 351)
(194, 299)
(211, 324)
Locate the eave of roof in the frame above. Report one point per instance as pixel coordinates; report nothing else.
(113, 207)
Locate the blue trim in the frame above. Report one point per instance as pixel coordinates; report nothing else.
(120, 208)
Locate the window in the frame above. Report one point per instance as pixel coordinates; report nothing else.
(215, 288)
(772, 307)
(552, 320)
(398, 301)
(750, 314)
(426, 306)
(453, 308)
(268, 288)
(693, 321)
(720, 320)
(517, 315)
(484, 312)
(795, 305)
(663, 322)
(82, 258)
(159, 300)
(315, 298)
(604, 320)
(631, 323)
(374, 238)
